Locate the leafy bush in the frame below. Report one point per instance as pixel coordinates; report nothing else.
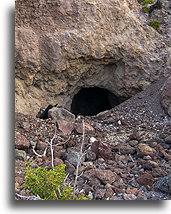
(49, 185)
(147, 2)
(155, 24)
(145, 9)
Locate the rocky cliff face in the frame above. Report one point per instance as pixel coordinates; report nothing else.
(63, 46)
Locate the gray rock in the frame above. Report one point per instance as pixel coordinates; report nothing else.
(69, 167)
(75, 157)
(90, 156)
(20, 155)
(61, 114)
(164, 184)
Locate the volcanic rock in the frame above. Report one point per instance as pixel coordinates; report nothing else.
(21, 142)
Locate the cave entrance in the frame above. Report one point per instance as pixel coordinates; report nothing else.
(91, 101)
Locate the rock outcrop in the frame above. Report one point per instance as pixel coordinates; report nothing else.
(62, 46)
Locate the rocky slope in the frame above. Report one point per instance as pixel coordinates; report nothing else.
(63, 46)
(127, 150)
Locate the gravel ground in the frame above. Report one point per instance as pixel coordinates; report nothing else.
(127, 150)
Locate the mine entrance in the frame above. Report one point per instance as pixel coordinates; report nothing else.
(91, 101)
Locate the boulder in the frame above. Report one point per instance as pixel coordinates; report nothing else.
(64, 118)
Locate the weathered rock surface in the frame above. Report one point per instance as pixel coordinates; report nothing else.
(62, 46)
(164, 184)
(21, 142)
(166, 96)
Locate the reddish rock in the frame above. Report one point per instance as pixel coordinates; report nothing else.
(95, 147)
(145, 179)
(21, 142)
(135, 136)
(65, 126)
(41, 145)
(105, 151)
(133, 191)
(106, 176)
(102, 149)
(119, 157)
(88, 128)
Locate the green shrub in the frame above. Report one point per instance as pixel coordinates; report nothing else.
(147, 2)
(145, 9)
(155, 24)
(49, 185)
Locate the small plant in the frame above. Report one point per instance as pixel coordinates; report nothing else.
(49, 184)
(155, 24)
(145, 9)
(147, 2)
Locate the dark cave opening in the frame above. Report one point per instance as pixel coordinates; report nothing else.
(91, 101)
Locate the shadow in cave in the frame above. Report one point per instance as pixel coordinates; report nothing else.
(91, 101)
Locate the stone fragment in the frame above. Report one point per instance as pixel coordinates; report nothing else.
(90, 156)
(21, 142)
(61, 114)
(164, 184)
(109, 192)
(99, 193)
(135, 136)
(126, 149)
(144, 149)
(64, 118)
(105, 151)
(41, 145)
(20, 154)
(119, 157)
(75, 158)
(129, 196)
(157, 172)
(145, 179)
(168, 139)
(88, 128)
(149, 165)
(102, 149)
(133, 191)
(69, 167)
(95, 147)
(105, 176)
(133, 142)
(65, 126)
